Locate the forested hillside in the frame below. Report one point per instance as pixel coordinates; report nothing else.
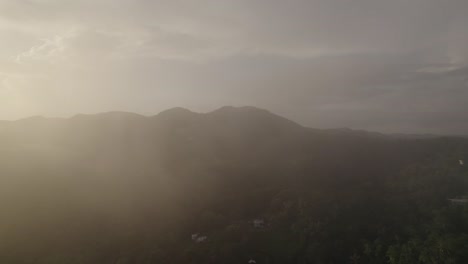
(230, 186)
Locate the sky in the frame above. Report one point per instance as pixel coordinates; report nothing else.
(388, 66)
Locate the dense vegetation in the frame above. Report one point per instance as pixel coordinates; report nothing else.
(120, 188)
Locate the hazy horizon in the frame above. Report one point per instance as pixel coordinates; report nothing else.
(147, 115)
(387, 66)
(233, 131)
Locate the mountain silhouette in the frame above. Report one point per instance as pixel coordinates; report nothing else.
(140, 186)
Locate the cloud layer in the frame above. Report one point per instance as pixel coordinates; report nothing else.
(383, 65)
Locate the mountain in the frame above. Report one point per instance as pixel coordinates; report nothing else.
(124, 188)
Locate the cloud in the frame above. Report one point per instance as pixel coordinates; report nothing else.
(49, 50)
(326, 63)
(307, 27)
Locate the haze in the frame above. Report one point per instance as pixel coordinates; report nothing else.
(389, 66)
(233, 131)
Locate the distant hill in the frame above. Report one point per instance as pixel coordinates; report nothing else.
(124, 188)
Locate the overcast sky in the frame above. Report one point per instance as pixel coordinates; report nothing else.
(391, 66)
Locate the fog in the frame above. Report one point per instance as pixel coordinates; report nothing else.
(390, 66)
(233, 131)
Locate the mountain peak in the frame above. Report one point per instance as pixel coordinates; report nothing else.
(176, 113)
(252, 116)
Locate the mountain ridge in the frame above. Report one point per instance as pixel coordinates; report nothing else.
(184, 114)
(116, 177)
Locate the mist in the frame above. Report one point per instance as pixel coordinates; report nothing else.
(233, 131)
(324, 64)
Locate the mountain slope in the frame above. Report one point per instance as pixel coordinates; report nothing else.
(140, 186)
